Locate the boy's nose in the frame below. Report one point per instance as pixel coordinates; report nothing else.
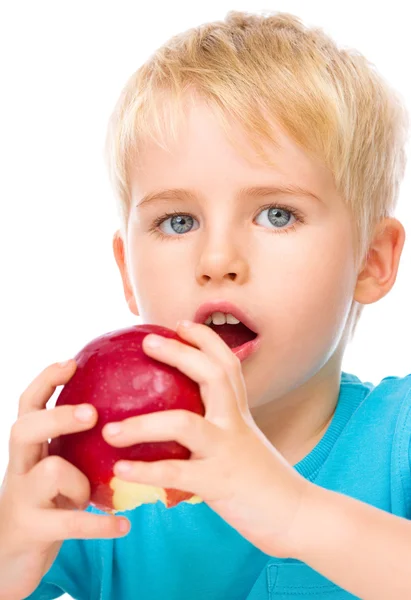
(220, 267)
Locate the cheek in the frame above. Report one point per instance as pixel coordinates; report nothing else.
(320, 301)
(160, 278)
(319, 270)
(307, 302)
(300, 345)
(150, 262)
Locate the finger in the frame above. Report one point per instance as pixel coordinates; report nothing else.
(186, 475)
(215, 385)
(55, 476)
(33, 429)
(43, 386)
(59, 525)
(189, 429)
(208, 340)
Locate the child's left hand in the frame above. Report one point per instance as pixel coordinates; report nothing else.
(233, 467)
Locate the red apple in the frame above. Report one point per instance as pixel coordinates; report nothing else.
(116, 376)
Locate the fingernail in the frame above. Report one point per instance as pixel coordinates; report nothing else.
(123, 467)
(64, 363)
(185, 324)
(84, 412)
(124, 525)
(113, 428)
(153, 341)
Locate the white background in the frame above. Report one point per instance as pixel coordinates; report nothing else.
(63, 65)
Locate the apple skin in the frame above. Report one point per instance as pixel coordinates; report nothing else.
(116, 376)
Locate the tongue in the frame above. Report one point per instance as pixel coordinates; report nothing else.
(234, 335)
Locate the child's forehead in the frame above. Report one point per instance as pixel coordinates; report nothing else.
(202, 149)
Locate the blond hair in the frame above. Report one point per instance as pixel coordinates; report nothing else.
(254, 68)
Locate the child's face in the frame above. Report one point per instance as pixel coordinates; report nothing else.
(298, 287)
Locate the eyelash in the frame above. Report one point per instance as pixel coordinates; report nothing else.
(159, 220)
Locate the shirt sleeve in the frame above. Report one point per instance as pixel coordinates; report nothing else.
(73, 572)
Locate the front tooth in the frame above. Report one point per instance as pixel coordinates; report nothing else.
(218, 318)
(231, 320)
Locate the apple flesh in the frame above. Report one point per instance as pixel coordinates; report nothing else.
(116, 376)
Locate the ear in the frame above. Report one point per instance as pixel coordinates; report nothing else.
(119, 255)
(379, 272)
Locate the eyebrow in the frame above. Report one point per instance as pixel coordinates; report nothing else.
(256, 191)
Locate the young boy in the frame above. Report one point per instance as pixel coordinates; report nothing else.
(231, 135)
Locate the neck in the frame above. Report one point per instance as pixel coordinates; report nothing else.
(295, 423)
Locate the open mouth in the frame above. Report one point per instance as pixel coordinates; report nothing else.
(234, 335)
(233, 325)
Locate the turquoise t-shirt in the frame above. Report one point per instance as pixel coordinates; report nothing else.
(189, 553)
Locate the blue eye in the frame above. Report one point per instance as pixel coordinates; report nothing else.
(277, 216)
(175, 224)
(179, 223)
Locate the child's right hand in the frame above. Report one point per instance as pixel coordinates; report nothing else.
(40, 494)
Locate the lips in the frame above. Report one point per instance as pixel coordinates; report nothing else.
(244, 350)
(225, 307)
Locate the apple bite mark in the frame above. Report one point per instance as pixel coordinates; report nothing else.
(129, 495)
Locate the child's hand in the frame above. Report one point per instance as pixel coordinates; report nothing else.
(40, 492)
(233, 467)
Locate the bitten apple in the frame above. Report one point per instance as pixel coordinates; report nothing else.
(116, 376)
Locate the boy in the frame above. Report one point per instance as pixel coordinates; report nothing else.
(230, 135)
